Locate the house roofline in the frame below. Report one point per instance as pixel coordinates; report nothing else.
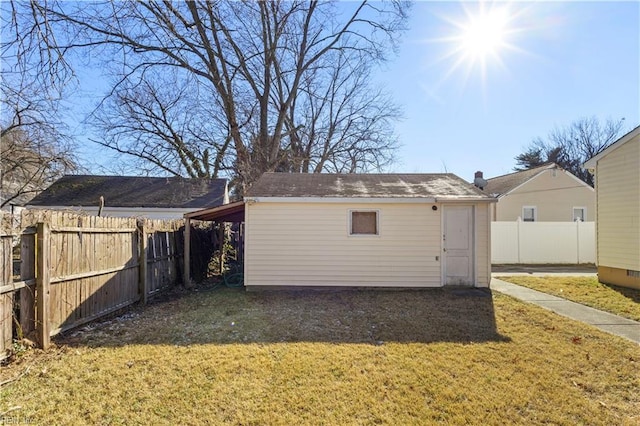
(593, 161)
(550, 167)
(542, 170)
(545, 166)
(370, 200)
(111, 208)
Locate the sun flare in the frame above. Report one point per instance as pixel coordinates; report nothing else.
(480, 39)
(484, 34)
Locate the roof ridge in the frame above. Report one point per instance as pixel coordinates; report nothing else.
(545, 166)
(138, 177)
(363, 174)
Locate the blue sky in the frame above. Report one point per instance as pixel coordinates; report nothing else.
(560, 61)
(557, 62)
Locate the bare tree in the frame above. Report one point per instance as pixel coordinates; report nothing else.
(34, 149)
(571, 146)
(30, 163)
(248, 62)
(166, 125)
(345, 125)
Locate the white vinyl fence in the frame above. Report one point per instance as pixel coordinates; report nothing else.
(543, 242)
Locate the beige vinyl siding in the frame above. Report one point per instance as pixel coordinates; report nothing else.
(308, 244)
(483, 245)
(553, 196)
(618, 182)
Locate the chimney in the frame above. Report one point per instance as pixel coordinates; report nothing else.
(479, 181)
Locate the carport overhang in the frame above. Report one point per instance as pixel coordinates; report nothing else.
(232, 212)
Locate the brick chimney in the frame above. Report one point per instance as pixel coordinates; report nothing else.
(479, 181)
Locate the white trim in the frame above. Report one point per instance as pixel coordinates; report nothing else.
(350, 218)
(535, 213)
(368, 200)
(593, 161)
(466, 200)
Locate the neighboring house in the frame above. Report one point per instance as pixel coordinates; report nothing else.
(369, 230)
(543, 194)
(617, 179)
(150, 197)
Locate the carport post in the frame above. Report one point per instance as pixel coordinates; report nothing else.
(186, 277)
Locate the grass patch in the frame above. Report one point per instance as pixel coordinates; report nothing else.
(587, 291)
(402, 357)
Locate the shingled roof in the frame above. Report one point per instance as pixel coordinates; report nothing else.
(324, 185)
(500, 185)
(128, 191)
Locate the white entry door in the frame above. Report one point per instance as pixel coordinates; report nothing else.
(457, 245)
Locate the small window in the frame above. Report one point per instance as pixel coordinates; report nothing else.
(579, 214)
(529, 214)
(364, 223)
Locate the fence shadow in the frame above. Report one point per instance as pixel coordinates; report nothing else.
(227, 316)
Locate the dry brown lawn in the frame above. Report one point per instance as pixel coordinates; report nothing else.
(349, 357)
(587, 291)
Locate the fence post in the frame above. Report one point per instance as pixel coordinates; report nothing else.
(27, 272)
(42, 285)
(186, 278)
(142, 262)
(578, 241)
(518, 239)
(221, 240)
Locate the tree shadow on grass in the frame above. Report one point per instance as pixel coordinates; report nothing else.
(227, 316)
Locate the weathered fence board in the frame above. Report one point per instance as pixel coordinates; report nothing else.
(28, 274)
(162, 253)
(75, 268)
(7, 297)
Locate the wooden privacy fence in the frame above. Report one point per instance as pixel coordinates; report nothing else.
(6, 280)
(76, 268)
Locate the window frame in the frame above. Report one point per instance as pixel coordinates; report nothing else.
(584, 213)
(350, 223)
(535, 213)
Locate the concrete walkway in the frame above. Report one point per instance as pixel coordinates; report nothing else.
(605, 321)
(542, 270)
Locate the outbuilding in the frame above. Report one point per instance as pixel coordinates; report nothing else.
(366, 230)
(617, 177)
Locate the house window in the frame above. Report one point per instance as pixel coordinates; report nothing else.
(364, 222)
(579, 213)
(529, 213)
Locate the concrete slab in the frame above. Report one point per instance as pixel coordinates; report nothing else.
(605, 321)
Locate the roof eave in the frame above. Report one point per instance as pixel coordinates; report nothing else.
(370, 200)
(233, 210)
(591, 163)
